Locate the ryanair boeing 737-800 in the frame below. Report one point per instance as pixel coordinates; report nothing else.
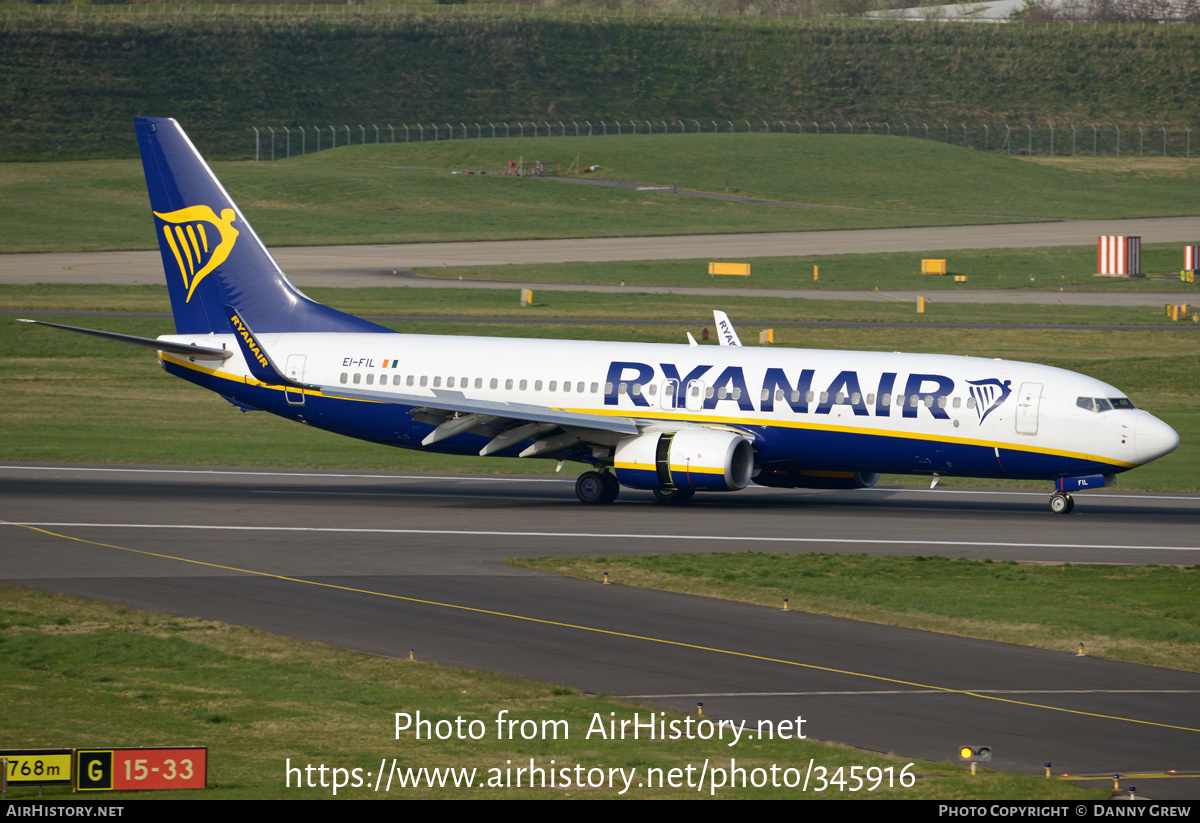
(670, 419)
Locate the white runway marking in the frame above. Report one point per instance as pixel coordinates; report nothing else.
(514, 479)
(259, 473)
(901, 691)
(612, 536)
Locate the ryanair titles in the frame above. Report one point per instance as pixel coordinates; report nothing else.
(701, 388)
(240, 328)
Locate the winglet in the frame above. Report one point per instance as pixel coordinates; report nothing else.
(725, 330)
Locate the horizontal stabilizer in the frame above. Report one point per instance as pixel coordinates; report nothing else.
(148, 342)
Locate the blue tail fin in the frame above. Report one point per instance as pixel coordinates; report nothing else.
(211, 256)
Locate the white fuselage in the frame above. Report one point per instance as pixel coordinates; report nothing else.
(895, 412)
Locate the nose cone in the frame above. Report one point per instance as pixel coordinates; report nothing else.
(1152, 438)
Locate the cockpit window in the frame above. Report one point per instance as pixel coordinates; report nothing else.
(1101, 404)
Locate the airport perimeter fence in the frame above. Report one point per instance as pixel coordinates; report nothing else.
(1060, 140)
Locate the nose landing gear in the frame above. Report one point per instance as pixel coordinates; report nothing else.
(1061, 503)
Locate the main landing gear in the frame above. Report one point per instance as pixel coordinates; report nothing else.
(673, 497)
(595, 488)
(1061, 503)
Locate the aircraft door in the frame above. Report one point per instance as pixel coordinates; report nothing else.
(295, 371)
(670, 390)
(1028, 401)
(695, 395)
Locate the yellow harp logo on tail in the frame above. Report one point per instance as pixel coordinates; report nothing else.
(199, 239)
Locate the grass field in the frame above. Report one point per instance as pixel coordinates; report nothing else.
(1045, 269)
(101, 402)
(79, 673)
(360, 195)
(1144, 614)
(695, 310)
(72, 81)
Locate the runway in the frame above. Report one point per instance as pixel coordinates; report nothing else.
(387, 562)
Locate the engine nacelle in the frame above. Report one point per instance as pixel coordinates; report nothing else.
(791, 478)
(699, 459)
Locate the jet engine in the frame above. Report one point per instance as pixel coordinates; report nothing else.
(689, 459)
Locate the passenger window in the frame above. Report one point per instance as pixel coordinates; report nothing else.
(553, 385)
(537, 385)
(941, 401)
(524, 384)
(653, 390)
(370, 379)
(566, 385)
(824, 397)
(463, 382)
(608, 387)
(957, 402)
(579, 387)
(737, 394)
(424, 380)
(449, 382)
(637, 390)
(721, 393)
(437, 381)
(795, 396)
(596, 387)
(357, 378)
(409, 381)
(809, 397)
(345, 377)
(495, 383)
(970, 402)
(479, 383)
(708, 393)
(396, 380)
(854, 398)
(622, 388)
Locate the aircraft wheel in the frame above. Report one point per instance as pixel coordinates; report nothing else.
(592, 489)
(1061, 503)
(612, 487)
(673, 496)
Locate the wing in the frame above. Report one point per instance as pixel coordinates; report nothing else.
(451, 412)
